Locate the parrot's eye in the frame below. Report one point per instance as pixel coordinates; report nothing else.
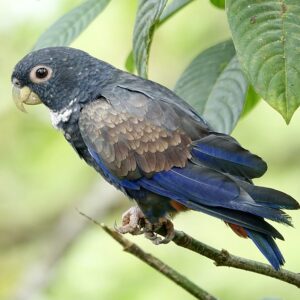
(40, 74)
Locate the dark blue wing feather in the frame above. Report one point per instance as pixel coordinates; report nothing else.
(224, 153)
(121, 184)
(202, 185)
(229, 215)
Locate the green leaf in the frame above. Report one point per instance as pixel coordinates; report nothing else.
(172, 9)
(198, 79)
(215, 86)
(129, 64)
(226, 100)
(68, 27)
(218, 3)
(252, 100)
(168, 12)
(266, 34)
(147, 17)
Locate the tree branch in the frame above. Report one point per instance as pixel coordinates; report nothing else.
(220, 257)
(62, 236)
(224, 258)
(155, 263)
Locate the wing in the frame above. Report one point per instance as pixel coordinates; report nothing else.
(225, 154)
(218, 151)
(132, 135)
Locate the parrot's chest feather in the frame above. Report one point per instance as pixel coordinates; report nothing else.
(59, 118)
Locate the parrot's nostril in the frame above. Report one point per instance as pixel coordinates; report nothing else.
(16, 82)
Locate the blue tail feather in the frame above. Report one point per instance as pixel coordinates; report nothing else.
(216, 194)
(269, 197)
(268, 248)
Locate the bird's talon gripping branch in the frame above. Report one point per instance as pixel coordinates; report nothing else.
(169, 227)
(164, 225)
(132, 220)
(150, 235)
(135, 223)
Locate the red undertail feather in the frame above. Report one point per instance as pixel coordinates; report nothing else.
(178, 206)
(239, 230)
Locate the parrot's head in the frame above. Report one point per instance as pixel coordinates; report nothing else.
(57, 77)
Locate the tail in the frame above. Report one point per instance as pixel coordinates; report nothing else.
(223, 153)
(267, 247)
(217, 182)
(264, 242)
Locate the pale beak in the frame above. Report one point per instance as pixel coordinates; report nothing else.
(24, 95)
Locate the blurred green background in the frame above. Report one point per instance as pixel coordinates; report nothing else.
(47, 250)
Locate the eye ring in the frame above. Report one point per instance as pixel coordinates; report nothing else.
(40, 74)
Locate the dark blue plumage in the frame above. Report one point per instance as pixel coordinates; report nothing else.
(268, 248)
(121, 184)
(222, 152)
(201, 188)
(149, 143)
(201, 185)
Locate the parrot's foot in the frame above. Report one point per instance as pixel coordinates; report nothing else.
(163, 225)
(135, 223)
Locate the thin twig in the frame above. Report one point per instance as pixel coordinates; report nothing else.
(224, 258)
(155, 263)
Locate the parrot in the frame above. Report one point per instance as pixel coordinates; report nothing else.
(153, 146)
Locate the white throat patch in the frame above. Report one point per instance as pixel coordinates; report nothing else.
(63, 115)
(60, 116)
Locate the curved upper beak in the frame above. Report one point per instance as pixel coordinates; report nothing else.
(24, 95)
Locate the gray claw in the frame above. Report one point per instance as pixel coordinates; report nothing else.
(135, 223)
(131, 220)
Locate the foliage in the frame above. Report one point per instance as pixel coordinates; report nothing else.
(218, 3)
(214, 80)
(264, 34)
(69, 26)
(267, 38)
(148, 14)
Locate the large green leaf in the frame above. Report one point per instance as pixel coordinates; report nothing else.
(266, 34)
(197, 81)
(147, 17)
(129, 63)
(168, 12)
(215, 86)
(252, 100)
(218, 3)
(172, 9)
(226, 100)
(69, 26)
